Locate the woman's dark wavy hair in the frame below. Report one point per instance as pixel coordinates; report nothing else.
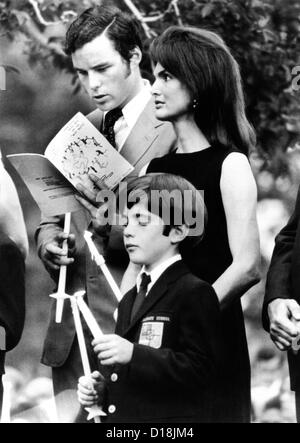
(200, 60)
(121, 28)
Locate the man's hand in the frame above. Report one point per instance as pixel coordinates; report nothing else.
(53, 255)
(113, 349)
(91, 201)
(89, 390)
(284, 315)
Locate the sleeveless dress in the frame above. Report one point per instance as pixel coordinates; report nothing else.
(208, 261)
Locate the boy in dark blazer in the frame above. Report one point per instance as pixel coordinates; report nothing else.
(164, 355)
(12, 299)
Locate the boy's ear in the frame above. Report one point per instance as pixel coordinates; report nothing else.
(178, 234)
(136, 56)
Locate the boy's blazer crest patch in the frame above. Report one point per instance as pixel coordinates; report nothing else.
(152, 334)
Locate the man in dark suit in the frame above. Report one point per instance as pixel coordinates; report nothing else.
(281, 310)
(165, 353)
(106, 51)
(12, 299)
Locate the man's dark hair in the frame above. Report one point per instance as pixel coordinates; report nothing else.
(121, 28)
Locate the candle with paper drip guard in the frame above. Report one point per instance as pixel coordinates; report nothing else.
(99, 259)
(61, 295)
(95, 412)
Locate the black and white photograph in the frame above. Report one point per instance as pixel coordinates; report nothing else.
(150, 214)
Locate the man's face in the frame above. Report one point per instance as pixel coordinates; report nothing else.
(105, 75)
(143, 237)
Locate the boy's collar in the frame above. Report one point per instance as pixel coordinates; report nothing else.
(157, 271)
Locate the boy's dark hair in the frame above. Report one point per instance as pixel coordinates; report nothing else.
(172, 198)
(121, 28)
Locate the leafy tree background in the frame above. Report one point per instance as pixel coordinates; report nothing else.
(43, 93)
(264, 36)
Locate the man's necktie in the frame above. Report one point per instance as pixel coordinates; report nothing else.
(109, 123)
(141, 295)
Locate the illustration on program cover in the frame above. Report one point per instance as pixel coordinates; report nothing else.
(79, 149)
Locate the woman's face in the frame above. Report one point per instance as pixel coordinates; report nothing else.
(172, 99)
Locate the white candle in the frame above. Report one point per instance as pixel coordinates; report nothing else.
(95, 411)
(89, 318)
(99, 259)
(6, 406)
(80, 337)
(61, 291)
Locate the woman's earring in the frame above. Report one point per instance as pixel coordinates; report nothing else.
(195, 103)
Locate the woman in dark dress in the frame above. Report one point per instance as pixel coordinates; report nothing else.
(198, 88)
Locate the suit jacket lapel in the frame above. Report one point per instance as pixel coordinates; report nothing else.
(125, 312)
(142, 135)
(173, 273)
(140, 138)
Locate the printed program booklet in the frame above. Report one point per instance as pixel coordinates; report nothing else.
(78, 150)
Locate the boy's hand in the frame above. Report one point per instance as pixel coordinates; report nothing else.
(90, 389)
(113, 349)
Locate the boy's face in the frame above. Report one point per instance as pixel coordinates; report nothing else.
(144, 239)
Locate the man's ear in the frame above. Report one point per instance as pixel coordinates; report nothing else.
(136, 56)
(178, 234)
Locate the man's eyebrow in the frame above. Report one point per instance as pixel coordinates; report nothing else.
(99, 66)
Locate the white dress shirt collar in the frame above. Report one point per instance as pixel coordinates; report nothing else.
(135, 107)
(131, 113)
(157, 271)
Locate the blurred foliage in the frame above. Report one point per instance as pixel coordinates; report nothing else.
(264, 36)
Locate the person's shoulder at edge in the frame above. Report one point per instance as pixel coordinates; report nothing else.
(235, 160)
